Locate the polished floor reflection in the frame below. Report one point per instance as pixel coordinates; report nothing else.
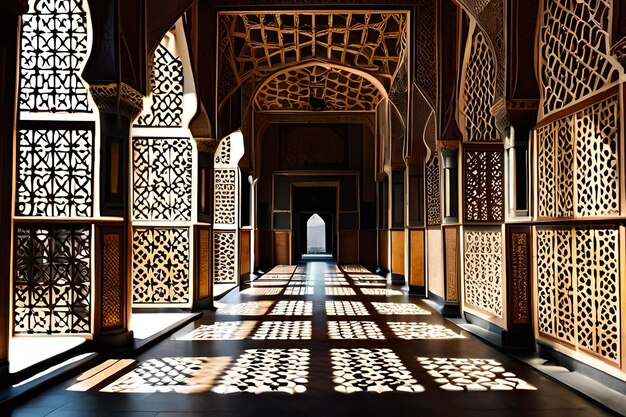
(310, 341)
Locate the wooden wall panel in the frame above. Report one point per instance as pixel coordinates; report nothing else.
(417, 277)
(367, 246)
(282, 248)
(255, 239)
(452, 263)
(383, 249)
(397, 252)
(203, 262)
(348, 247)
(244, 252)
(435, 261)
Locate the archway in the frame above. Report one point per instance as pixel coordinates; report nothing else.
(311, 200)
(315, 235)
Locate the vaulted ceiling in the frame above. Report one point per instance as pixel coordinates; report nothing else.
(255, 47)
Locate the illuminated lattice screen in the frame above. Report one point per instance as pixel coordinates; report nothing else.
(162, 179)
(54, 172)
(53, 49)
(160, 265)
(573, 51)
(166, 77)
(52, 279)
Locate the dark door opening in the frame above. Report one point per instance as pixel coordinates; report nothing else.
(314, 222)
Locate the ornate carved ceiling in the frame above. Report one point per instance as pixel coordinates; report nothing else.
(317, 87)
(254, 45)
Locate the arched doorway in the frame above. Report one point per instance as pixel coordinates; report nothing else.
(319, 203)
(315, 235)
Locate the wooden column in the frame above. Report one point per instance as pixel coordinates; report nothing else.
(8, 76)
(452, 275)
(113, 291)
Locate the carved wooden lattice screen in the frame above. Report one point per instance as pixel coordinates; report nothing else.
(483, 270)
(577, 157)
(162, 185)
(433, 190)
(477, 95)
(578, 269)
(578, 288)
(226, 209)
(484, 184)
(54, 174)
(574, 60)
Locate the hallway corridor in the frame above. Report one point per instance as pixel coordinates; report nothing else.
(315, 341)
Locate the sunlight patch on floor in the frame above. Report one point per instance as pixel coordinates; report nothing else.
(462, 374)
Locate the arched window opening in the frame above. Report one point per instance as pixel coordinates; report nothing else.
(315, 235)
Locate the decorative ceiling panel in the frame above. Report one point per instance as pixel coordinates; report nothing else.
(254, 45)
(317, 87)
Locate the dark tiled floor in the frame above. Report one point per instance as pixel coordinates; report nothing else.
(280, 360)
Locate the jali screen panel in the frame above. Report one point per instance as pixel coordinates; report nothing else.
(578, 288)
(52, 279)
(54, 172)
(53, 48)
(162, 179)
(483, 270)
(577, 156)
(161, 266)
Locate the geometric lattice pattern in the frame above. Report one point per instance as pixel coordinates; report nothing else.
(400, 309)
(578, 288)
(54, 173)
(333, 88)
(354, 330)
(573, 42)
(162, 179)
(53, 48)
(423, 331)
(224, 256)
(225, 190)
(267, 370)
(479, 91)
(578, 155)
(433, 192)
(462, 374)
(483, 270)
(252, 45)
(371, 370)
(484, 185)
(177, 374)
(597, 175)
(166, 79)
(52, 279)
(113, 282)
(160, 265)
